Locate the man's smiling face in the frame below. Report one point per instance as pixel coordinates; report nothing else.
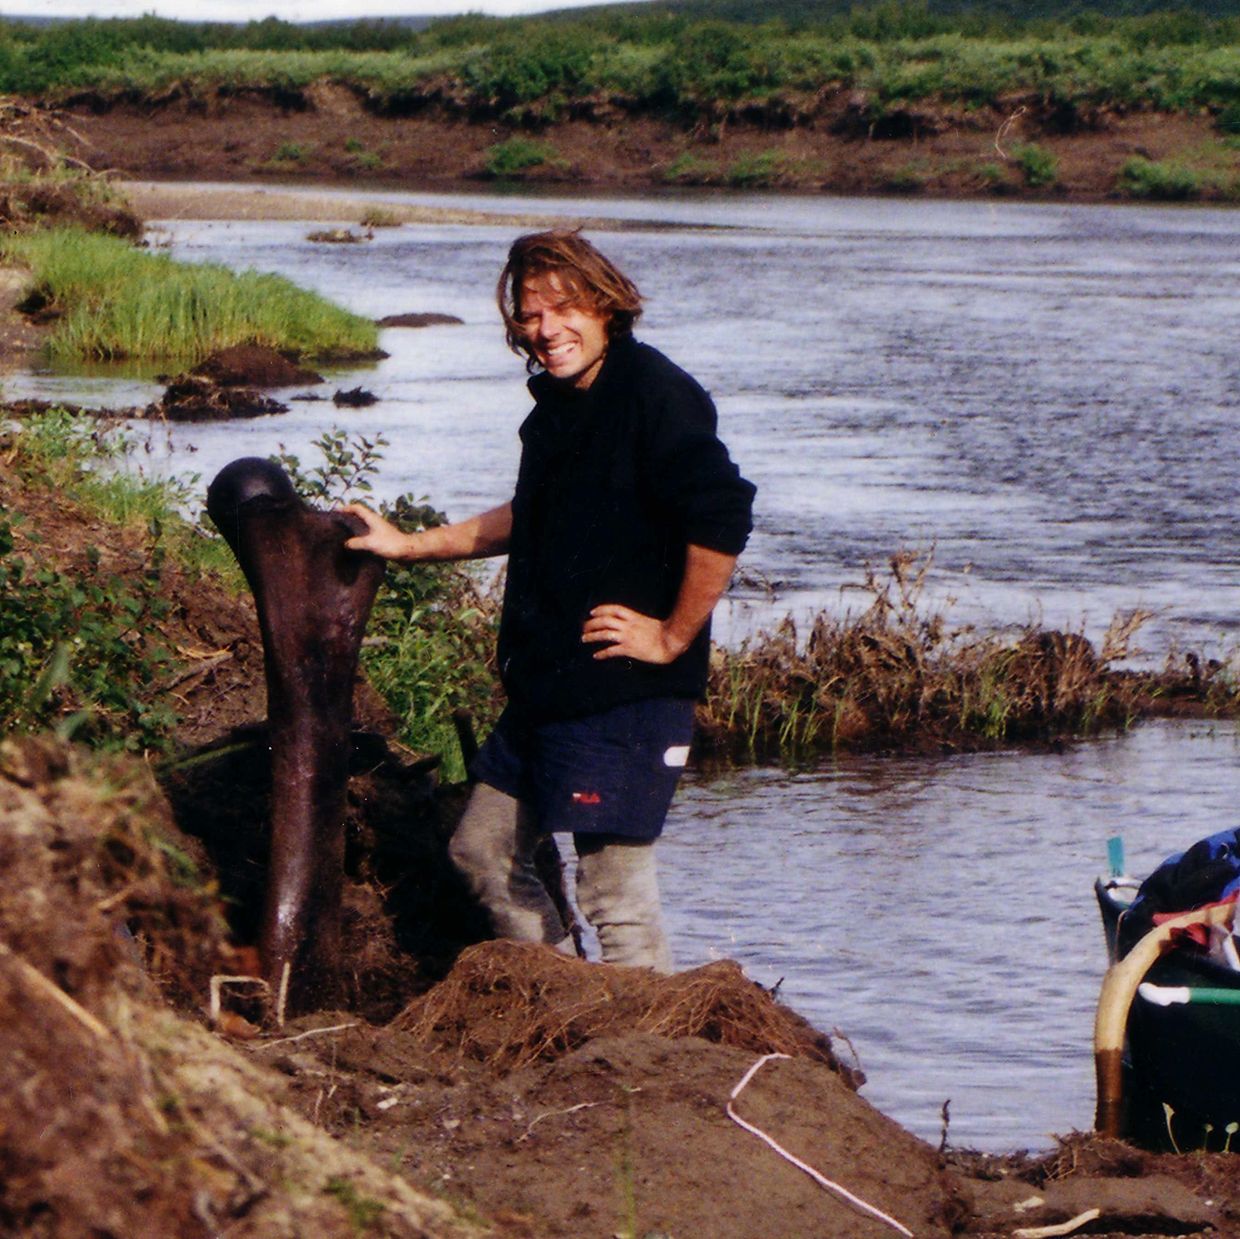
(569, 340)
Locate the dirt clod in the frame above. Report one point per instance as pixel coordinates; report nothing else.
(254, 365)
(191, 398)
(414, 319)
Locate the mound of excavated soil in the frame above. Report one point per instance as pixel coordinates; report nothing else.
(507, 1006)
(629, 1134)
(132, 1117)
(120, 1116)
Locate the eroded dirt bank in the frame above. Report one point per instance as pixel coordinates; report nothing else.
(327, 132)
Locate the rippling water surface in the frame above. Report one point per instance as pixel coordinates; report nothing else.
(940, 913)
(1047, 397)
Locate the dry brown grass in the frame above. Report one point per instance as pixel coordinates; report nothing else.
(43, 184)
(508, 1004)
(901, 676)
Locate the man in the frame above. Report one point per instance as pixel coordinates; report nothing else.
(622, 533)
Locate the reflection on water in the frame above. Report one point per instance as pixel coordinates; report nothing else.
(941, 912)
(1047, 395)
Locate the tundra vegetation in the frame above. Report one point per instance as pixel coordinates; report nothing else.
(697, 64)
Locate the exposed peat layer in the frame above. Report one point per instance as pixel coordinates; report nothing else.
(1012, 149)
(465, 1086)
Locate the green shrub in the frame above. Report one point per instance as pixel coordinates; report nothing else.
(431, 653)
(516, 155)
(539, 63)
(1158, 180)
(80, 648)
(994, 176)
(290, 152)
(81, 651)
(1228, 120)
(368, 161)
(65, 54)
(712, 61)
(1038, 166)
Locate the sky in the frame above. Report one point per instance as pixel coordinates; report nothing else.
(289, 10)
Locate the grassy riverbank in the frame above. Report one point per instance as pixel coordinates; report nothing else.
(109, 301)
(880, 98)
(663, 58)
(114, 600)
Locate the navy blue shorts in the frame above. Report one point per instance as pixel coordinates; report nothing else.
(610, 773)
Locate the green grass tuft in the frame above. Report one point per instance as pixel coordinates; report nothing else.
(117, 302)
(1038, 166)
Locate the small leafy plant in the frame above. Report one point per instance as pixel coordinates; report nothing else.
(757, 170)
(510, 158)
(1158, 180)
(290, 152)
(80, 651)
(1038, 166)
(690, 169)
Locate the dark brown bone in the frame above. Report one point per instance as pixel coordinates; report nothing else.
(313, 600)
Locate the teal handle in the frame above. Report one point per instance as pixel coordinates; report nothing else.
(1215, 995)
(1115, 855)
(1179, 995)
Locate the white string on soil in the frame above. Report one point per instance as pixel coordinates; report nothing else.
(313, 1032)
(841, 1193)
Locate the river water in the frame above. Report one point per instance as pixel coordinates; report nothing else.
(1042, 398)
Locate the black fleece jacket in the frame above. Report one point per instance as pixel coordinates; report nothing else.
(614, 483)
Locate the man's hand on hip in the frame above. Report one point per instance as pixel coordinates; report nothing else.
(630, 634)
